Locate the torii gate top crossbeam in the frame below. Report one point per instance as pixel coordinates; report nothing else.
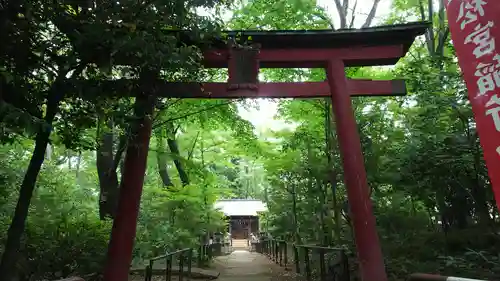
(381, 45)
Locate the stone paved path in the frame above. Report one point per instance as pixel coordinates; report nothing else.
(240, 265)
(249, 266)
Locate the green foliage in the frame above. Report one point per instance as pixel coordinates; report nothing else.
(171, 220)
(282, 15)
(63, 235)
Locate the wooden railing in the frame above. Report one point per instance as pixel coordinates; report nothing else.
(184, 255)
(333, 262)
(184, 260)
(205, 252)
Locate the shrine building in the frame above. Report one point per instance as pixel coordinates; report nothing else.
(243, 216)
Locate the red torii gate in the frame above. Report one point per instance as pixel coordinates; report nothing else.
(331, 50)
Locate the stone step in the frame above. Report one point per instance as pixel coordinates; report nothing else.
(240, 243)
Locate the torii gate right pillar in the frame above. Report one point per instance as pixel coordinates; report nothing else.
(365, 232)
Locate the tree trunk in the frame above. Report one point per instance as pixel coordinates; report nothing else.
(371, 14)
(460, 210)
(479, 191)
(174, 148)
(443, 211)
(106, 170)
(332, 174)
(68, 155)
(161, 158)
(48, 152)
(8, 264)
(336, 214)
(324, 232)
(78, 164)
(294, 212)
(247, 183)
(342, 8)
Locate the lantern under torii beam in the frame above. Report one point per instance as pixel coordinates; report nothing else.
(327, 49)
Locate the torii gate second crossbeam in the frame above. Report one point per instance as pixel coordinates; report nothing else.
(331, 50)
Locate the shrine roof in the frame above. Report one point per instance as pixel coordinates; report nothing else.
(241, 207)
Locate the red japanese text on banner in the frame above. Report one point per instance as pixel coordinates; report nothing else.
(475, 31)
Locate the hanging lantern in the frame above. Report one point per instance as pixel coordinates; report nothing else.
(243, 67)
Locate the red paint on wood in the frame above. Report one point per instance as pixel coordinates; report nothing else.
(311, 58)
(124, 225)
(365, 232)
(367, 87)
(270, 90)
(475, 30)
(357, 87)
